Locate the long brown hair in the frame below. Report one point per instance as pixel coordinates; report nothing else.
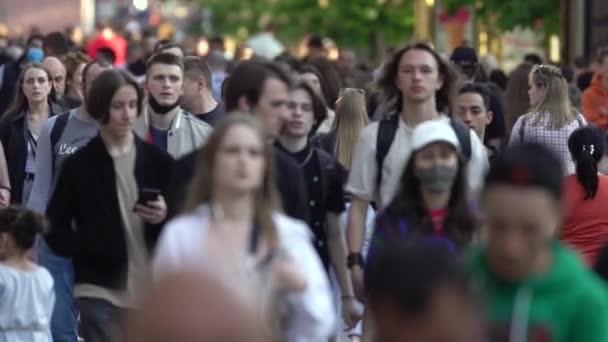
(555, 104)
(390, 70)
(20, 102)
(517, 101)
(351, 118)
(266, 200)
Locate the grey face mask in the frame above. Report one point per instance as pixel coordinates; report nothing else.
(438, 178)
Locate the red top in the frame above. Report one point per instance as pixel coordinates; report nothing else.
(438, 217)
(585, 221)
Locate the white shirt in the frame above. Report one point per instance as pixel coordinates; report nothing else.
(362, 178)
(26, 305)
(181, 247)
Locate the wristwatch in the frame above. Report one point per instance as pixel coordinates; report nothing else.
(354, 259)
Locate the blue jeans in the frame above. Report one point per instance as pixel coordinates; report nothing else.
(64, 323)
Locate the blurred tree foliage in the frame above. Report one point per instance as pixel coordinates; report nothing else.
(543, 15)
(355, 23)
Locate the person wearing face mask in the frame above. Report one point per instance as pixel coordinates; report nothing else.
(431, 202)
(430, 205)
(163, 122)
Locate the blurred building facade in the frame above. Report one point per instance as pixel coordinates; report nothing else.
(23, 15)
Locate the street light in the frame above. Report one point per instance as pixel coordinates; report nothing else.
(554, 48)
(202, 47)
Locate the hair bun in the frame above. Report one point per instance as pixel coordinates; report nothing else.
(23, 225)
(31, 221)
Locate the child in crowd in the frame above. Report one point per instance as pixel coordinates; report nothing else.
(26, 289)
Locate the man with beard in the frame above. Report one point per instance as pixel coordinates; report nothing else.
(163, 122)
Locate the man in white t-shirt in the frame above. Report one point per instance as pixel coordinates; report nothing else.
(421, 81)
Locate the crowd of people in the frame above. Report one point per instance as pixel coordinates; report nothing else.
(187, 198)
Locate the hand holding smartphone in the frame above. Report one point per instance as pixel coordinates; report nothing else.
(148, 195)
(151, 206)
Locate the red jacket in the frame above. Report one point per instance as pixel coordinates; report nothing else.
(595, 103)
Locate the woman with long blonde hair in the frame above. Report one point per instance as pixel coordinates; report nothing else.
(551, 118)
(351, 118)
(232, 226)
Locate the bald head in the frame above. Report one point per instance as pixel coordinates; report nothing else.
(58, 73)
(191, 307)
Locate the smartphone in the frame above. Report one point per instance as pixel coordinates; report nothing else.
(147, 194)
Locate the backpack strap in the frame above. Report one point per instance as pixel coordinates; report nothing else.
(463, 133)
(579, 120)
(58, 128)
(522, 128)
(387, 129)
(56, 132)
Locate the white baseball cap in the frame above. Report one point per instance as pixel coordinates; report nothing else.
(433, 131)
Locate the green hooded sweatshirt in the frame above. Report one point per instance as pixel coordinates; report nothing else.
(568, 303)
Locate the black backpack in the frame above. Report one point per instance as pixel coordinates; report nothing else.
(387, 128)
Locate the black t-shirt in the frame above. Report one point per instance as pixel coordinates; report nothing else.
(308, 161)
(327, 142)
(213, 116)
(318, 205)
(290, 182)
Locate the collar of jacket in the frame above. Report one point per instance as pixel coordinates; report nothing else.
(98, 147)
(142, 124)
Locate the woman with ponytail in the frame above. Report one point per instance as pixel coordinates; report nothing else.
(585, 195)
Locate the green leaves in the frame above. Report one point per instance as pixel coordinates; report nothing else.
(352, 22)
(541, 15)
